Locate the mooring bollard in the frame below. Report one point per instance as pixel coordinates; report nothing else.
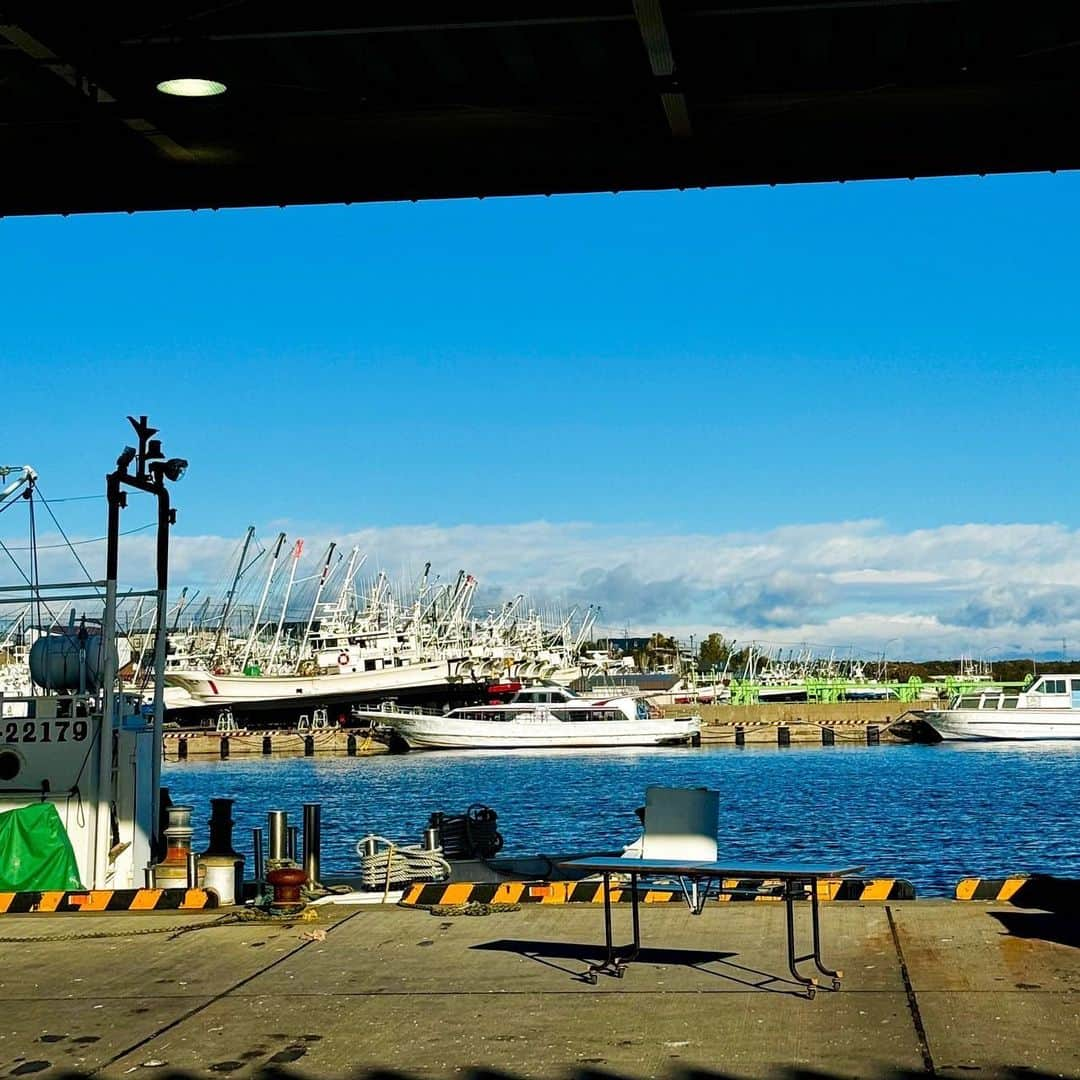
(873, 735)
(267, 745)
(828, 736)
(350, 745)
(783, 735)
(312, 841)
(224, 748)
(309, 746)
(257, 867)
(277, 828)
(740, 735)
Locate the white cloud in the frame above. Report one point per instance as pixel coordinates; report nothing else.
(978, 588)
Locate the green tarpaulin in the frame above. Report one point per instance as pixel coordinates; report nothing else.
(35, 852)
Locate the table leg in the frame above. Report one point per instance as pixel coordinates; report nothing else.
(793, 960)
(610, 955)
(836, 976)
(613, 964)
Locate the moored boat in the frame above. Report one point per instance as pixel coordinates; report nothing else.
(537, 717)
(1048, 709)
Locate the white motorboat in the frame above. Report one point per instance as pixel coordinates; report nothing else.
(537, 717)
(1048, 709)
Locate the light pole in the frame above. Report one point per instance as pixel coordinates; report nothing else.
(884, 662)
(152, 469)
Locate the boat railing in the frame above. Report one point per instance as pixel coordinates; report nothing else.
(410, 710)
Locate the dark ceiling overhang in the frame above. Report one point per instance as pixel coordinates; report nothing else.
(333, 102)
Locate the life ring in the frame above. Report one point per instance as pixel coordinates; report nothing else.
(343, 658)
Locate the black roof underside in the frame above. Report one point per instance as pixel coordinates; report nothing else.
(334, 102)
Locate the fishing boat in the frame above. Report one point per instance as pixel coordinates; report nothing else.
(547, 716)
(1048, 709)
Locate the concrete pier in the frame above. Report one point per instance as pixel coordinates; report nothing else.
(930, 988)
(292, 743)
(847, 720)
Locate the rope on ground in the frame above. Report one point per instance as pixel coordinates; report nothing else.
(473, 907)
(173, 930)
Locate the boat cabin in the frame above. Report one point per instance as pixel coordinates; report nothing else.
(543, 695)
(1047, 692)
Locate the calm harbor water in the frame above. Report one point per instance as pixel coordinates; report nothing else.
(931, 814)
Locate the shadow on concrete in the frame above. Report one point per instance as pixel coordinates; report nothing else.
(1051, 926)
(547, 952)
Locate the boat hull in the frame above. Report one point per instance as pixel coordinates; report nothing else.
(987, 725)
(210, 689)
(447, 733)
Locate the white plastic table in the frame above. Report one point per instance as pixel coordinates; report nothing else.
(792, 876)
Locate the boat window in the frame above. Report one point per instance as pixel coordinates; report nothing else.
(1009, 702)
(1054, 686)
(968, 703)
(1075, 685)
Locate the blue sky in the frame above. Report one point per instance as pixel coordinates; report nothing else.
(696, 364)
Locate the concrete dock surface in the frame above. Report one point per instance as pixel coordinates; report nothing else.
(930, 988)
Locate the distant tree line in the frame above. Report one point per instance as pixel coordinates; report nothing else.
(716, 653)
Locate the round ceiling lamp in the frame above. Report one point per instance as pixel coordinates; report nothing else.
(191, 87)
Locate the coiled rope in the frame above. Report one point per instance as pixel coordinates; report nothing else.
(394, 864)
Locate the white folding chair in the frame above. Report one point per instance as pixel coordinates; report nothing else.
(680, 824)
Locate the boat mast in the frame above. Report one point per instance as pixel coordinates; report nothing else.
(297, 549)
(227, 607)
(262, 600)
(324, 577)
(351, 569)
(181, 606)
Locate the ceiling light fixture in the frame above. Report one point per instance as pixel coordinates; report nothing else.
(191, 87)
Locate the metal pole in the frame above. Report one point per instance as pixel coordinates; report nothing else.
(257, 867)
(294, 839)
(312, 841)
(277, 824)
(192, 870)
(161, 641)
(108, 643)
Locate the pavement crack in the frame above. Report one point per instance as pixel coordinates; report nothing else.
(912, 1000)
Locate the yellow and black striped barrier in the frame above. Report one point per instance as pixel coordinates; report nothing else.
(1023, 890)
(1001, 889)
(592, 892)
(112, 900)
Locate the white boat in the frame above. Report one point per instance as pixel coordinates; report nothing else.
(1048, 709)
(348, 677)
(538, 717)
